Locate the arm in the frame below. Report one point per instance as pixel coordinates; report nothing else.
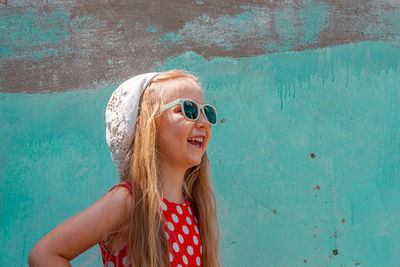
(83, 231)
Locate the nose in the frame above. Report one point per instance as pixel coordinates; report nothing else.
(202, 121)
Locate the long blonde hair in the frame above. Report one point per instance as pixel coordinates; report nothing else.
(148, 245)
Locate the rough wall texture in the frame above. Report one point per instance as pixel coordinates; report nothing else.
(67, 45)
(305, 158)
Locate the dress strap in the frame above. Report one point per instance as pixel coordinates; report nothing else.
(125, 184)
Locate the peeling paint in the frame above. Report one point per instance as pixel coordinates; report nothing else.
(52, 44)
(207, 31)
(34, 34)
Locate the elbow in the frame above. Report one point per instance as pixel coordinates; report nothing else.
(35, 256)
(32, 257)
(41, 256)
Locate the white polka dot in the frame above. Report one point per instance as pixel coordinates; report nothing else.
(201, 249)
(179, 265)
(190, 211)
(174, 217)
(170, 226)
(176, 247)
(171, 258)
(185, 259)
(180, 237)
(197, 229)
(124, 260)
(189, 221)
(195, 240)
(110, 264)
(185, 229)
(178, 208)
(198, 261)
(163, 206)
(196, 219)
(167, 235)
(190, 250)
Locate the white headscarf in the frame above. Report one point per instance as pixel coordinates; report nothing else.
(121, 115)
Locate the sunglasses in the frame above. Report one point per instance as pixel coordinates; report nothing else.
(191, 110)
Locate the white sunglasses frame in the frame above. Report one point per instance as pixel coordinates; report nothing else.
(180, 101)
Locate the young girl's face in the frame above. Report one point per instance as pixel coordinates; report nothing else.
(176, 133)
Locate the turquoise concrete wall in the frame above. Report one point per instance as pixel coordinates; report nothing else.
(305, 159)
(278, 204)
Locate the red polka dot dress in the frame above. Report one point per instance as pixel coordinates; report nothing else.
(183, 235)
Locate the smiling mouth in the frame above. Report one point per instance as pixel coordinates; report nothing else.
(196, 141)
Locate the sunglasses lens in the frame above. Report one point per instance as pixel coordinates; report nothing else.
(191, 110)
(210, 114)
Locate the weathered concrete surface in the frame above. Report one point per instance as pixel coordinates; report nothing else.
(304, 160)
(68, 45)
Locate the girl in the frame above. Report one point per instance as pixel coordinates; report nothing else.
(163, 211)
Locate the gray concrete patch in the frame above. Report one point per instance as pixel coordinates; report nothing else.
(103, 43)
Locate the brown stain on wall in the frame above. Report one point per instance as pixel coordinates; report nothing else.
(110, 41)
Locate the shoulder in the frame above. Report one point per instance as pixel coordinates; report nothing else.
(109, 212)
(118, 203)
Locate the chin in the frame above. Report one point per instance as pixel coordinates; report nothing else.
(194, 162)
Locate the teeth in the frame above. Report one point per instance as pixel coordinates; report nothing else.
(197, 139)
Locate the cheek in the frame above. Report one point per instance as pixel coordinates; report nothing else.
(171, 135)
(163, 137)
(209, 134)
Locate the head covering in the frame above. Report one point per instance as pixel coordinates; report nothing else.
(121, 115)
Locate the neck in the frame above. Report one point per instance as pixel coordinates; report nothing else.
(171, 182)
